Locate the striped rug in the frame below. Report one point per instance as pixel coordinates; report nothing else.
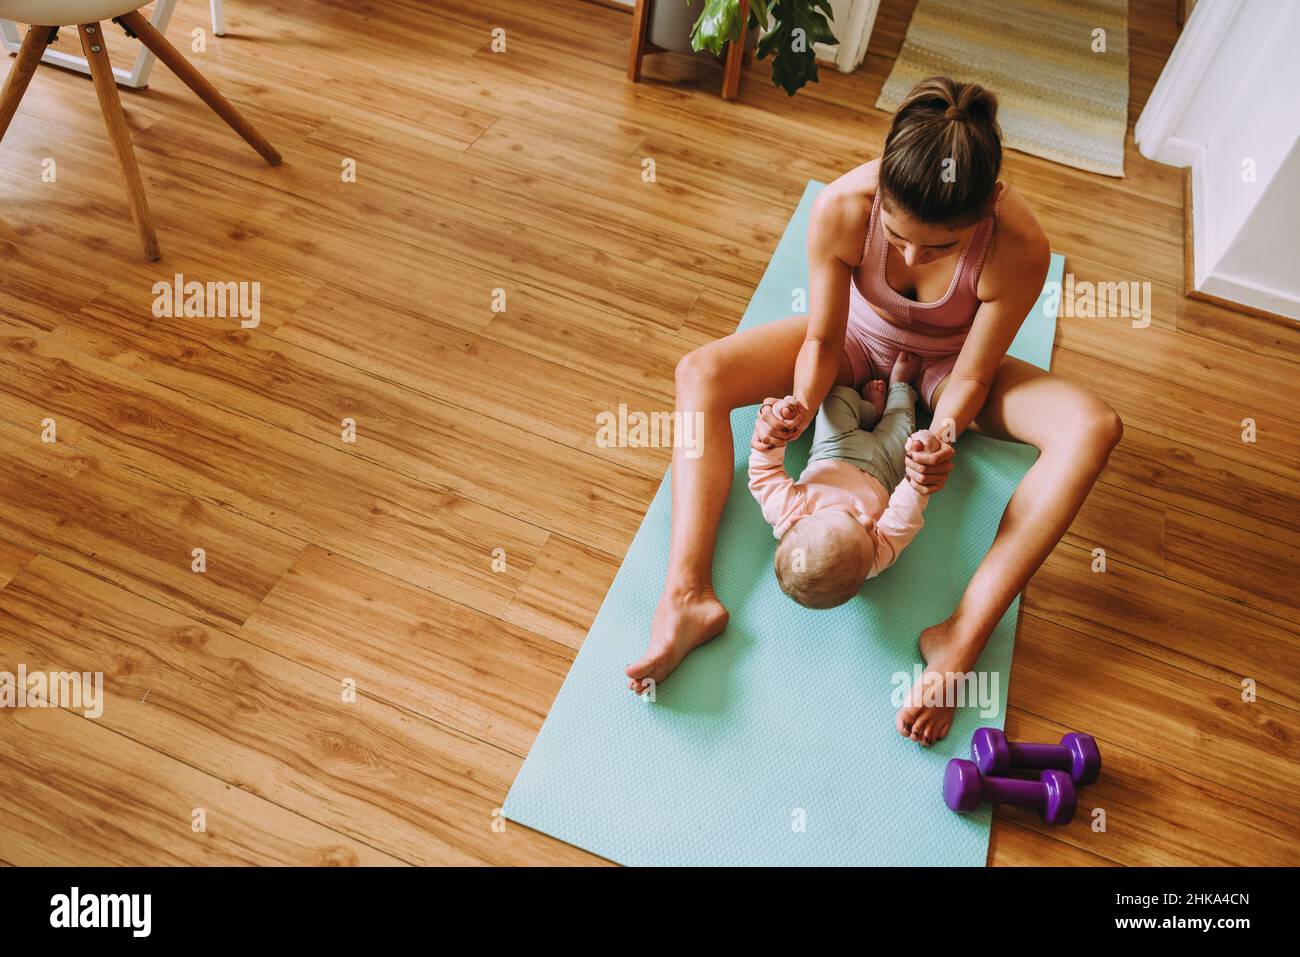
(1056, 97)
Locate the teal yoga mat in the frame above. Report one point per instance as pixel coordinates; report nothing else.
(774, 744)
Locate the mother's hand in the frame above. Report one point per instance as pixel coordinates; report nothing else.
(929, 460)
(779, 421)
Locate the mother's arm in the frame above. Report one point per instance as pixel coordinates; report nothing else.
(831, 229)
(1010, 284)
(828, 301)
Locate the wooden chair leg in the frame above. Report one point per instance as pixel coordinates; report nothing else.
(209, 94)
(735, 56)
(639, 19)
(20, 74)
(101, 71)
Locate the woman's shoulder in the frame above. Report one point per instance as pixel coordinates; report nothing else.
(849, 190)
(1020, 246)
(842, 209)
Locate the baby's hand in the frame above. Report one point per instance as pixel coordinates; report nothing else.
(923, 440)
(779, 421)
(929, 460)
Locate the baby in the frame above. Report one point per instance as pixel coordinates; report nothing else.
(835, 526)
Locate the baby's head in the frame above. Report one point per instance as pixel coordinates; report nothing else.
(824, 557)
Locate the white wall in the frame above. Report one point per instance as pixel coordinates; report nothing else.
(1231, 94)
(1262, 261)
(852, 24)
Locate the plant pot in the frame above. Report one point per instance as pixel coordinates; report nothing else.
(671, 22)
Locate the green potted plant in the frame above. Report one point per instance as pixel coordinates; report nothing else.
(796, 26)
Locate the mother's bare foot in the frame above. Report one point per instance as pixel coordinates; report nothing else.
(927, 713)
(682, 622)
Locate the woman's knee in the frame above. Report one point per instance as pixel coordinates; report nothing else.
(1105, 427)
(697, 373)
(1095, 430)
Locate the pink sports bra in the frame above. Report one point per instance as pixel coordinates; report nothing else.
(956, 310)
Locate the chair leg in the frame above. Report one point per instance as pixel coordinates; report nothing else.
(20, 74)
(636, 52)
(101, 71)
(176, 62)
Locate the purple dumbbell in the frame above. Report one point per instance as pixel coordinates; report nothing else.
(1077, 754)
(1053, 794)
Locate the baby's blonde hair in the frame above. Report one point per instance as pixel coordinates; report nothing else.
(818, 567)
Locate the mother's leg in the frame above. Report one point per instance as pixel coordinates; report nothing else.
(737, 370)
(1074, 432)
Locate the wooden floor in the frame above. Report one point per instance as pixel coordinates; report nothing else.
(372, 561)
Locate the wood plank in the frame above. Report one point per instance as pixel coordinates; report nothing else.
(636, 356)
(1158, 815)
(512, 171)
(506, 384)
(1202, 418)
(1012, 844)
(1208, 485)
(307, 490)
(1077, 212)
(1239, 564)
(376, 776)
(61, 222)
(712, 316)
(1269, 340)
(1187, 721)
(1163, 353)
(563, 591)
(430, 656)
(114, 523)
(1198, 631)
(1129, 527)
(78, 795)
(12, 560)
(68, 99)
(28, 297)
(396, 204)
(432, 440)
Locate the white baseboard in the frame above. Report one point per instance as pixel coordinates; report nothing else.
(1248, 294)
(1176, 151)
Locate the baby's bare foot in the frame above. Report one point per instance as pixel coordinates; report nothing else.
(906, 366)
(874, 392)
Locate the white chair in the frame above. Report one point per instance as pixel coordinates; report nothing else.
(138, 76)
(46, 16)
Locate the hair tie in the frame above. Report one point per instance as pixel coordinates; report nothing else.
(954, 113)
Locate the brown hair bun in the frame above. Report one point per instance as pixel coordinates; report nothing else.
(943, 152)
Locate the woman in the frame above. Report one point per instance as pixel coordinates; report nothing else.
(924, 250)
